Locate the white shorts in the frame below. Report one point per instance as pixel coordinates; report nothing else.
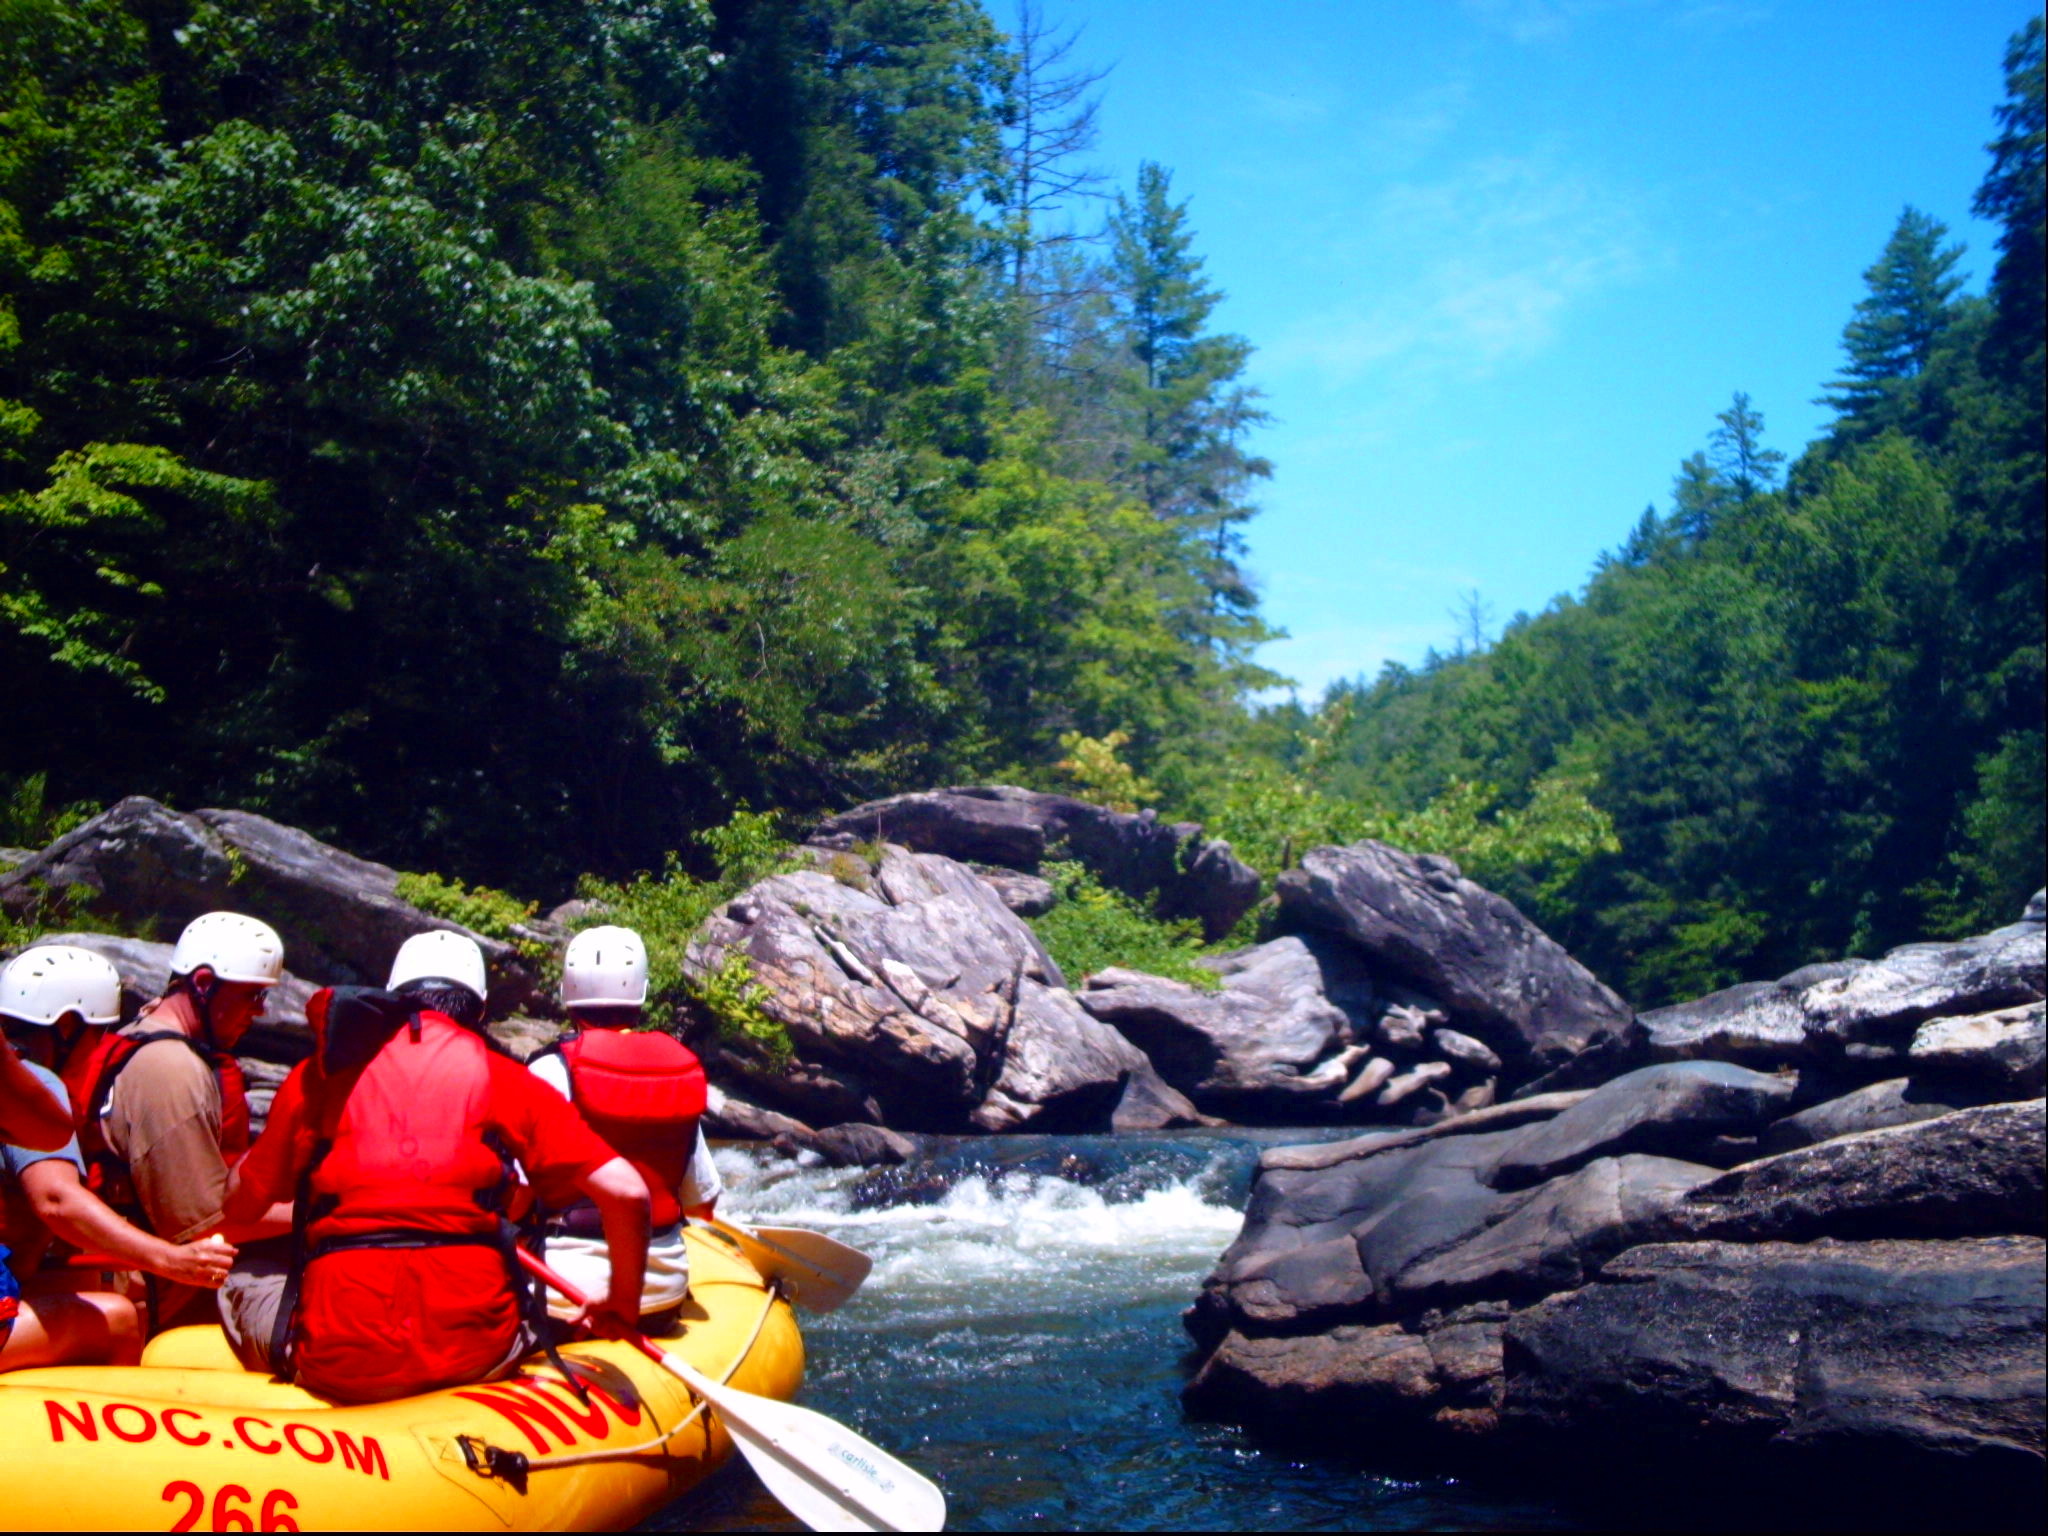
(586, 1263)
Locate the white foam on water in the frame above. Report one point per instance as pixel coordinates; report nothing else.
(1014, 1230)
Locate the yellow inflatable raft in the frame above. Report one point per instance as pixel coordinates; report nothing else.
(188, 1441)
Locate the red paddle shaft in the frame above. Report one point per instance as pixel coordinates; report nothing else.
(542, 1272)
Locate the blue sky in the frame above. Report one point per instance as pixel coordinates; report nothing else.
(1504, 260)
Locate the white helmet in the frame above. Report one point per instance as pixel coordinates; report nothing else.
(605, 968)
(237, 948)
(440, 956)
(43, 984)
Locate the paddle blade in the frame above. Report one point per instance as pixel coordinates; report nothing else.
(822, 1472)
(818, 1272)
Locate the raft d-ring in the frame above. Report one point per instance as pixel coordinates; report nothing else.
(487, 1460)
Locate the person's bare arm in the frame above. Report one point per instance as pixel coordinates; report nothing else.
(63, 1203)
(273, 1220)
(30, 1115)
(622, 1204)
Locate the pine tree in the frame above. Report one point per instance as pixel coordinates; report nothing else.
(1739, 452)
(2012, 194)
(1891, 338)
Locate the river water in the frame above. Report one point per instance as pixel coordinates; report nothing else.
(1019, 1342)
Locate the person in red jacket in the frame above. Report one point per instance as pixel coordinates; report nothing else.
(642, 1091)
(398, 1142)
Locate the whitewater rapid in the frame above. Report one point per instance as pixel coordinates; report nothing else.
(1019, 1341)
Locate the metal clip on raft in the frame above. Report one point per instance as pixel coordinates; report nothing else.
(487, 1460)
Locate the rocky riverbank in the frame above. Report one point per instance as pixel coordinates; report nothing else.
(1797, 1229)
(1793, 1226)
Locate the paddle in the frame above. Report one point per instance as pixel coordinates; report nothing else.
(821, 1471)
(817, 1271)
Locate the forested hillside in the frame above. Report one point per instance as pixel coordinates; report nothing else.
(508, 438)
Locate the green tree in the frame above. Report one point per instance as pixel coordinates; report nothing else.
(1890, 340)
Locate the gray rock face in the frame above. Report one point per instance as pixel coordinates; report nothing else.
(1187, 875)
(1900, 1354)
(1326, 1245)
(1866, 1011)
(1970, 1173)
(2005, 1049)
(1264, 1049)
(1502, 979)
(1025, 895)
(1675, 1108)
(1558, 1236)
(340, 916)
(1390, 1375)
(1896, 1101)
(918, 998)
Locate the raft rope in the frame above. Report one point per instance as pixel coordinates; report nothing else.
(614, 1453)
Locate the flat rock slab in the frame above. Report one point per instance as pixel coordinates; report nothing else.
(1865, 1009)
(1357, 1380)
(1503, 980)
(2007, 1049)
(1895, 1101)
(1670, 1109)
(1171, 863)
(1898, 1356)
(1557, 1236)
(1964, 1174)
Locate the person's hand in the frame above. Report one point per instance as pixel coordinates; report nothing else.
(606, 1319)
(204, 1263)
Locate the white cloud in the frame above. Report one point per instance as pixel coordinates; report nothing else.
(1291, 107)
(1468, 272)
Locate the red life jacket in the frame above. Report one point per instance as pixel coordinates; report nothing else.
(107, 1173)
(408, 1280)
(83, 1064)
(643, 1092)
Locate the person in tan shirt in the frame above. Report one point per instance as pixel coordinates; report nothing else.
(169, 1113)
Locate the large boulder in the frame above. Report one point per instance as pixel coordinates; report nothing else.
(1677, 1109)
(1187, 875)
(154, 868)
(912, 996)
(1322, 1246)
(1888, 1361)
(1418, 921)
(1275, 1045)
(1971, 1173)
(1860, 1015)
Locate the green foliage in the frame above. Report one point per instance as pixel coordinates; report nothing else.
(732, 999)
(28, 820)
(667, 909)
(493, 913)
(1100, 775)
(1091, 928)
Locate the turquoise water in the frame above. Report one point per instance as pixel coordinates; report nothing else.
(1019, 1342)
